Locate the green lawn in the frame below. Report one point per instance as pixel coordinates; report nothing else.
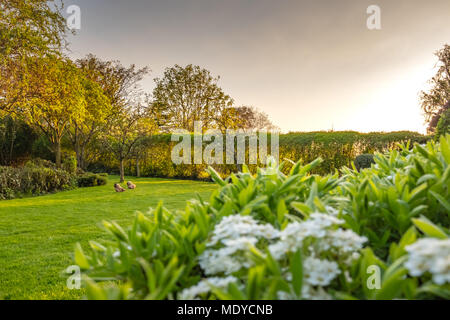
(37, 235)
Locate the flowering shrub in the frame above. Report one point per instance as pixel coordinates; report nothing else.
(381, 233)
(430, 255)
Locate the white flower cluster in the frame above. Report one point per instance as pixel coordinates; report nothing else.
(237, 226)
(234, 235)
(318, 237)
(322, 228)
(204, 286)
(430, 255)
(320, 272)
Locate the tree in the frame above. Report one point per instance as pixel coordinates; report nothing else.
(27, 29)
(112, 91)
(98, 109)
(127, 130)
(250, 118)
(126, 121)
(185, 95)
(436, 99)
(55, 101)
(443, 125)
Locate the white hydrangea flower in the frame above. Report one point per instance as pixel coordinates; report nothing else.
(318, 272)
(430, 255)
(204, 286)
(235, 235)
(321, 227)
(237, 226)
(344, 242)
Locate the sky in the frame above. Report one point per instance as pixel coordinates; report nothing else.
(309, 64)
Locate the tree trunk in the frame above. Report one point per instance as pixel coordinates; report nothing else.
(13, 139)
(78, 154)
(82, 162)
(58, 153)
(122, 175)
(138, 169)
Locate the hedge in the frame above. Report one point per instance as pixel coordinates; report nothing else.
(33, 180)
(337, 149)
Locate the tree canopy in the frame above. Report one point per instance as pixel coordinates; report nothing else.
(435, 100)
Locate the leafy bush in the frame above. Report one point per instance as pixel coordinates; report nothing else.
(40, 163)
(92, 179)
(70, 164)
(364, 161)
(33, 180)
(291, 236)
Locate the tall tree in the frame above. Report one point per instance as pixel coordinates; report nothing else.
(250, 118)
(188, 94)
(27, 29)
(98, 109)
(56, 99)
(437, 98)
(120, 92)
(126, 122)
(126, 132)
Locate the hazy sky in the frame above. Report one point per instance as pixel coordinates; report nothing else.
(309, 64)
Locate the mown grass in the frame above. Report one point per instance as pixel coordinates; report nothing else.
(37, 235)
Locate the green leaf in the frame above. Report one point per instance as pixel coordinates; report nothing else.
(301, 208)
(80, 258)
(445, 148)
(441, 200)
(281, 210)
(297, 272)
(216, 177)
(94, 291)
(429, 228)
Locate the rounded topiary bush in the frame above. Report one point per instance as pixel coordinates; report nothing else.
(364, 161)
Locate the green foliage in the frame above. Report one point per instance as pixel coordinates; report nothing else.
(443, 126)
(33, 180)
(364, 161)
(89, 179)
(401, 185)
(70, 164)
(436, 100)
(169, 255)
(16, 140)
(337, 149)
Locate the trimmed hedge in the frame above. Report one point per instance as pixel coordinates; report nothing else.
(33, 180)
(92, 180)
(337, 149)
